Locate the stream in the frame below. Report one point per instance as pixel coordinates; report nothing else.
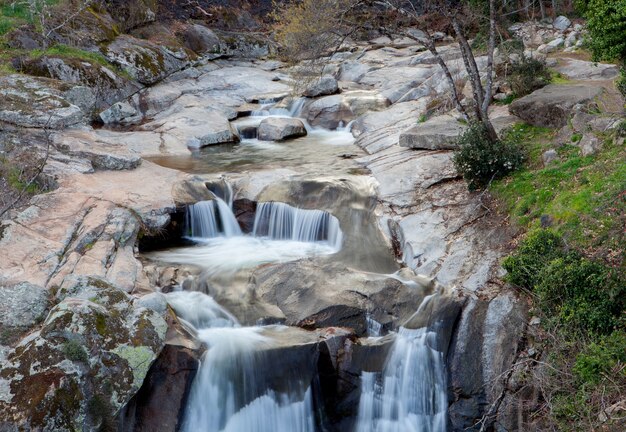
(265, 378)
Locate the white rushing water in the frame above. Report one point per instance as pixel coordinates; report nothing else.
(228, 394)
(210, 219)
(410, 394)
(280, 221)
(281, 233)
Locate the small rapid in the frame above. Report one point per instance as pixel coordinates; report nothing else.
(230, 392)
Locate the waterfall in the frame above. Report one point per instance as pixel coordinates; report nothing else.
(209, 219)
(267, 108)
(374, 328)
(283, 222)
(410, 394)
(230, 392)
(295, 108)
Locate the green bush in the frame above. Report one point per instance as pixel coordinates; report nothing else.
(527, 75)
(600, 358)
(606, 23)
(536, 252)
(582, 294)
(480, 160)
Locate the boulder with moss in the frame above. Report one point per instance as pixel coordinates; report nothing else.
(107, 85)
(84, 364)
(144, 60)
(41, 103)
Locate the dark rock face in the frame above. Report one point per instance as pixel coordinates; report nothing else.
(337, 315)
(245, 212)
(553, 105)
(484, 346)
(167, 385)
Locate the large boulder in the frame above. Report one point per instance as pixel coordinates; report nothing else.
(553, 105)
(438, 133)
(585, 70)
(201, 40)
(280, 129)
(38, 103)
(89, 358)
(326, 85)
(145, 61)
(107, 86)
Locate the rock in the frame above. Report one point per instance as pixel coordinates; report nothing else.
(107, 86)
(168, 384)
(196, 127)
(280, 129)
(483, 347)
(200, 39)
(24, 38)
(353, 71)
(332, 111)
(553, 105)
(561, 23)
(326, 85)
(438, 36)
(21, 307)
(37, 102)
(438, 133)
(329, 112)
(145, 61)
(122, 113)
(549, 156)
(337, 316)
(89, 358)
(131, 14)
(336, 295)
(585, 70)
(190, 192)
(570, 40)
(589, 144)
(153, 301)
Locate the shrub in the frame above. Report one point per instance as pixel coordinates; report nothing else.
(528, 75)
(606, 23)
(536, 252)
(600, 358)
(582, 294)
(480, 160)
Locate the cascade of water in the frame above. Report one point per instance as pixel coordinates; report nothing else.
(209, 219)
(229, 393)
(410, 394)
(284, 222)
(374, 328)
(295, 108)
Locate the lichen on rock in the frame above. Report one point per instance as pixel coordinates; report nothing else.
(93, 345)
